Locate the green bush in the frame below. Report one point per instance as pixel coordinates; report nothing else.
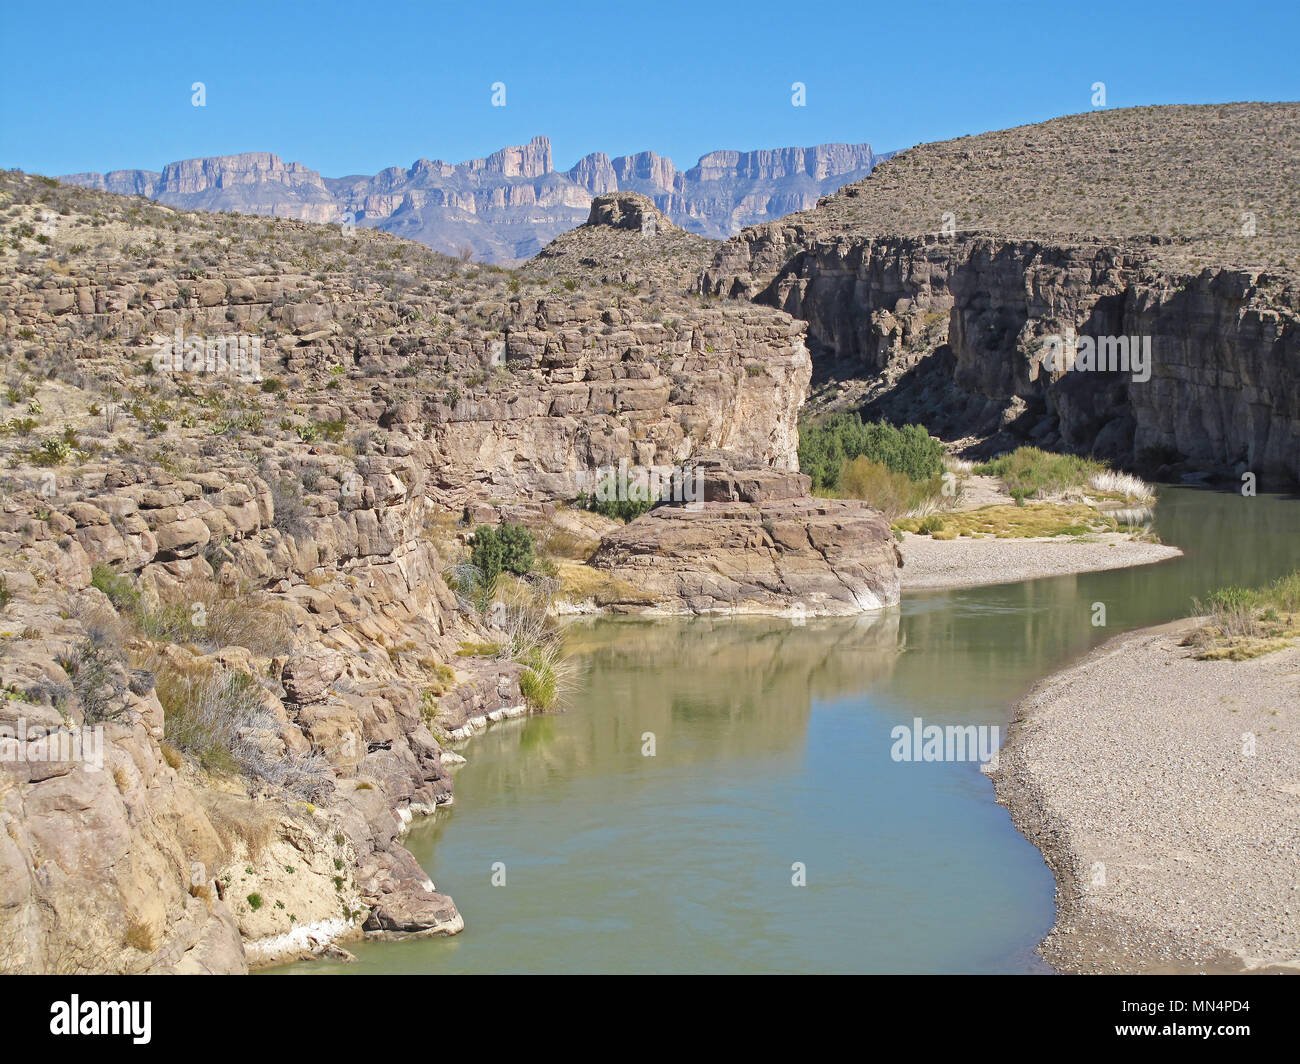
(623, 501)
(825, 446)
(507, 548)
(538, 682)
(119, 589)
(1029, 471)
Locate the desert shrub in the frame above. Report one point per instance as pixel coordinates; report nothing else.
(1029, 471)
(119, 589)
(251, 621)
(99, 679)
(289, 513)
(826, 446)
(619, 498)
(506, 548)
(893, 494)
(217, 717)
(204, 710)
(199, 614)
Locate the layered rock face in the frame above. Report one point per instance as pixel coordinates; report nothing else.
(262, 533)
(509, 205)
(250, 183)
(951, 328)
(756, 542)
(165, 860)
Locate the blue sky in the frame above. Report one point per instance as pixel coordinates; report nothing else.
(351, 88)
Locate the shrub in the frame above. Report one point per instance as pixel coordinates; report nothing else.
(539, 682)
(99, 679)
(216, 716)
(508, 548)
(203, 710)
(289, 513)
(1029, 471)
(893, 494)
(623, 500)
(119, 589)
(826, 446)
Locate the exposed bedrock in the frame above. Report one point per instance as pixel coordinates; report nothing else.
(955, 330)
(757, 543)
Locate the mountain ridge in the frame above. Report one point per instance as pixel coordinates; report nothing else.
(510, 204)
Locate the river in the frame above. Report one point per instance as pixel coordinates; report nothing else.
(772, 753)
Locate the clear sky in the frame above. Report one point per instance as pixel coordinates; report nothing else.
(354, 87)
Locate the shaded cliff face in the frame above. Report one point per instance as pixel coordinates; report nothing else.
(953, 328)
(509, 205)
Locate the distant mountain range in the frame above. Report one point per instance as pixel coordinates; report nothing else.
(509, 206)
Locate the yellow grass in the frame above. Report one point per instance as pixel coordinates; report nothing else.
(1016, 522)
(583, 583)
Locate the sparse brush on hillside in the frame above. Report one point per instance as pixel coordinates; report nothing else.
(200, 614)
(217, 716)
(516, 613)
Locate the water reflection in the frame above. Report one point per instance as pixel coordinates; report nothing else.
(772, 747)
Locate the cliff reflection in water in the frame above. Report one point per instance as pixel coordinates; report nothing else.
(707, 688)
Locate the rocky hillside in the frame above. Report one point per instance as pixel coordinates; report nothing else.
(509, 205)
(932, 288)
(243, 458)
(626, 240)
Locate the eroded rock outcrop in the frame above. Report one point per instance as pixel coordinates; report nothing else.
(757, 543)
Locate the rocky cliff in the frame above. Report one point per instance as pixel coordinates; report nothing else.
(932, 290)
(509, 205)
(239, 458)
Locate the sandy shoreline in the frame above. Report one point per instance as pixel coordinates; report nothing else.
(1174, 850)
(930, 564)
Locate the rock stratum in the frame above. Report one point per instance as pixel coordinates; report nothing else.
(930, 289)
(240, 454)
(509, 205)
(755, 542)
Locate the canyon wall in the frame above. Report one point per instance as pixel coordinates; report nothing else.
(951, 331)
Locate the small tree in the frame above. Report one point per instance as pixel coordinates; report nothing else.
(508, 547)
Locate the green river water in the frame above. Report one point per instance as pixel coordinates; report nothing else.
(773, 747)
